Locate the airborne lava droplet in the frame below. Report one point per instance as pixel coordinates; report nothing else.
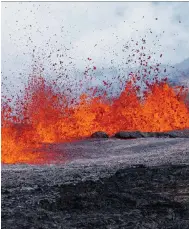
(46, 114)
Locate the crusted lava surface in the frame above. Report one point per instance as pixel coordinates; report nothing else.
(103, 183)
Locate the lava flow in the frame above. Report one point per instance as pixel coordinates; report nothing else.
(44, 115)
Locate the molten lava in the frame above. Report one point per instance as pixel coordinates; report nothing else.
(44, 115)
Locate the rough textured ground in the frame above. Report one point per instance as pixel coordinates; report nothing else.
(139, 134)
(104, 183)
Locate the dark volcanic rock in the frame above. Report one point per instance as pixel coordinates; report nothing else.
(142, 184)
(167, 134)
(178, 133)
(158, 134)
(128, 135)
(99, 134)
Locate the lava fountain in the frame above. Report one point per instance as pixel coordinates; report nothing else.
(44, 115)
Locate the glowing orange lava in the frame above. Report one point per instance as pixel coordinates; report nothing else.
(46, 116)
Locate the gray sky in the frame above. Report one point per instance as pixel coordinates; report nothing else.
(78, 30)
